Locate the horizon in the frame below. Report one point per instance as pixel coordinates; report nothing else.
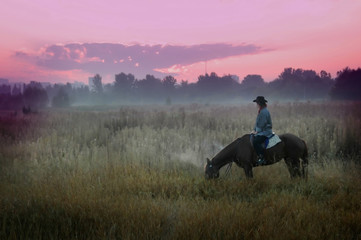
(60, 42)
(178, 83)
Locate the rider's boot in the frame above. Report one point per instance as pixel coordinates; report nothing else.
(261, 160)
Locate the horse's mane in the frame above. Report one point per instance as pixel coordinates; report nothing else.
(227, 154)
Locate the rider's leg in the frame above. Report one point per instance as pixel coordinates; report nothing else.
(257, 143)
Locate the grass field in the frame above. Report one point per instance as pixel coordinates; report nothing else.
(137, 173)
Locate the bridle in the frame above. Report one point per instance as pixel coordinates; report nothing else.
(228, 169)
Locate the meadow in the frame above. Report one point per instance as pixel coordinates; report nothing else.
(136, 172)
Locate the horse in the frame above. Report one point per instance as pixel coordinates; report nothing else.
(291, 149)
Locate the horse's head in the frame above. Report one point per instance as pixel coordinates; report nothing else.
(210, 170)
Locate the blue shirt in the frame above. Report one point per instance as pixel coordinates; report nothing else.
(263, 125)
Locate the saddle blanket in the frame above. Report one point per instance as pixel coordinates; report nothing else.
(272, 141)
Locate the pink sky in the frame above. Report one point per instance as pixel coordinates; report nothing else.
(67, 41)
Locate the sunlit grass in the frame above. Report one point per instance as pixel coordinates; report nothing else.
(135, 173)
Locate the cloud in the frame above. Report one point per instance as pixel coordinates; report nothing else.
(138, 59)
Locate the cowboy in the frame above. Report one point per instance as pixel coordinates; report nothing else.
(262, 129)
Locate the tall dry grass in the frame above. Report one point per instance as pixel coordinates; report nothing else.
(137, 173)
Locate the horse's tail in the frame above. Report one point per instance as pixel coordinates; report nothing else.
(305, 161)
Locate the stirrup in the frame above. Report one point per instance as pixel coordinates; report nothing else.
(261, 161)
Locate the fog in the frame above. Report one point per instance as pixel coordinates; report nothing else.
(126, 90)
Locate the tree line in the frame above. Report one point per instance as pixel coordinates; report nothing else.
(291, 84)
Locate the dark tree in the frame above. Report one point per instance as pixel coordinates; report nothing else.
(169, 83)
(5, 89)
(252, 85)
(347, 85)
(35, 96)
(253, 81)
(214, 87)
(184, 84)
(98, 85)
(81, 94)
(11, 102)
(169, 88)
(16, 90)
(301, 84)
(149, 88)
(123, 85)
(61, 99)
(325, 75)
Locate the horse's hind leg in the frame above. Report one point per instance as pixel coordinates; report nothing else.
(293, 165)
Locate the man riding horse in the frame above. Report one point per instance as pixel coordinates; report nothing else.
(262, 129)
(248, 154)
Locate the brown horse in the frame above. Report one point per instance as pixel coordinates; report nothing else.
(241, 151)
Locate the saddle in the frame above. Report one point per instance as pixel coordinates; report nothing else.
(269, 142)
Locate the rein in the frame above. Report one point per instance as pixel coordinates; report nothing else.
(228, 170)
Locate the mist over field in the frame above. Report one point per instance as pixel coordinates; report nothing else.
(136, 172)
(291, 85)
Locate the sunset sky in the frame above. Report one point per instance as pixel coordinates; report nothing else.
(71, 40)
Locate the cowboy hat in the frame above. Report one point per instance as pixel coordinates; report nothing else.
(260, 99)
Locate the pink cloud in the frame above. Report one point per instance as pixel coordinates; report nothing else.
(108, 58)
(320, 35)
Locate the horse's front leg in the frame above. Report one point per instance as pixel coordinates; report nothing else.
(248, 171)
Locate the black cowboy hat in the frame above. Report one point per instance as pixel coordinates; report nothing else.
(260, 99)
